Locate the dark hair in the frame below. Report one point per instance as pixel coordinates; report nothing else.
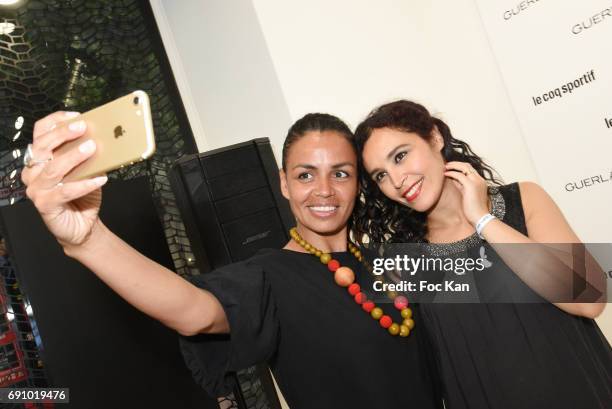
(314, 122)
(375, 215)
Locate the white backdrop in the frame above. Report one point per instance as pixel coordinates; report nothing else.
(555, 60)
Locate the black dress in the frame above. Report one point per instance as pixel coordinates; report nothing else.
(516, 355)
(324, 350)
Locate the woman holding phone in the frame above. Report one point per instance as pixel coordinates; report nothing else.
(422, 185)
(299, 308)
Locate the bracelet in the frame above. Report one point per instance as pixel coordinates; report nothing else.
(484, 220)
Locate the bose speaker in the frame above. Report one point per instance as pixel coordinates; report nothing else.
(231, 202)
(232, 206)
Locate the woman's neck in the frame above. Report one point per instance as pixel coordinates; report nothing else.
(328, 243)
(448, 210)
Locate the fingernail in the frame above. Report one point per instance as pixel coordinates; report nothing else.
(100, 180)
(87, 147)
(71, 114)
(77, 126)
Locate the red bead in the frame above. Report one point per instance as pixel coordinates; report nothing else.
(360, 298)
(368, 306)
(333, 265)
(353, 289)
(400, 302)
(385, 321)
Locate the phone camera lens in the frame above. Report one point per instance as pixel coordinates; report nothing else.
(136, 100)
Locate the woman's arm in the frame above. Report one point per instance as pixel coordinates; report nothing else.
(70, 212)
(546, 224)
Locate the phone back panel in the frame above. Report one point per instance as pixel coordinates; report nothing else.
(123, 132)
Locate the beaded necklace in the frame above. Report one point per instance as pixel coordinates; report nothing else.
(345, 277)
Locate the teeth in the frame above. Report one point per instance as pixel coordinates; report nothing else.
(414, 188)
(323, 208)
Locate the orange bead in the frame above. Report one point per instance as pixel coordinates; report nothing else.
(354, 289)
(333, 265)
(368, 306)
(385, 321)
(344, 276)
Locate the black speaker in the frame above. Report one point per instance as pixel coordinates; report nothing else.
(232, 206)
(108, 353)
(231, 202)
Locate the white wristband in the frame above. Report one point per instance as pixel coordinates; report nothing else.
(484, 220)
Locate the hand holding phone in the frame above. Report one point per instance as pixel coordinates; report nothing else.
(122, 131)
(82, 146)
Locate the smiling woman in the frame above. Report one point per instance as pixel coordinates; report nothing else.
(319, 178)
(420, 184)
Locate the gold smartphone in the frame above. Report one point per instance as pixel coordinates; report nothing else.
(123, 132)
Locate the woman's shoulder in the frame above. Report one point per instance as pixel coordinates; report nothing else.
(533, 197)
(524, 193)
(262, 264)
(266, 258)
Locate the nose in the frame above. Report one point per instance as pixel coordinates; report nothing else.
(397, 179)
(324, 188)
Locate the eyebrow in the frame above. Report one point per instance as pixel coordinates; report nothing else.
(336, 166)
(389, 156)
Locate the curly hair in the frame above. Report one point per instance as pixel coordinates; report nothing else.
(380, 218)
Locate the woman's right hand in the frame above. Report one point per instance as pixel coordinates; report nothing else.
(70, 210)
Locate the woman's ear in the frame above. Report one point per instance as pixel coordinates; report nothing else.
(283, 183)
(437, 140)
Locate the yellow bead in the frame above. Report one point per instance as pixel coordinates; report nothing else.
(392, 294)
(394, 329)
(358, 254)
(302, 242)
(376, 313)
(344, 276)
(406, 313)
(325, 257)
(404, 331)
(307, 246)
(409, 323)
(318, 253)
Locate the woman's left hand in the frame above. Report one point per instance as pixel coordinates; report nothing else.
(472, 186)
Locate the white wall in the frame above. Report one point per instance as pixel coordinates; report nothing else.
(347, 56)
(254, 67)
(224, 72)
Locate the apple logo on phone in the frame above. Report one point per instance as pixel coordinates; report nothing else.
(119, 131)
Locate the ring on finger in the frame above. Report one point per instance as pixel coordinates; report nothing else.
(30, 161)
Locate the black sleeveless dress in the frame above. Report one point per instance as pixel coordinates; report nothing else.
(507, 356)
